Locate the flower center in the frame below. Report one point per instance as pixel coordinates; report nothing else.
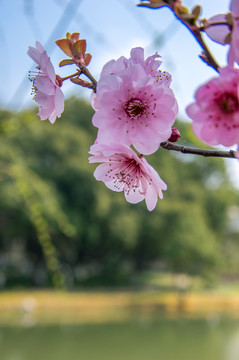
(228, 103)
(134, 108)
(125, 173)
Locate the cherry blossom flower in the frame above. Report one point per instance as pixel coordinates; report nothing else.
(215, 113)
(134, 105)
(225, 29)
(46, 85)
(150, 65)
(121, 169)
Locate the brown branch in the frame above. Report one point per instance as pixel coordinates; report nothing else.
(195, 30)
(195, 151)
(189, 20)
(86, 72)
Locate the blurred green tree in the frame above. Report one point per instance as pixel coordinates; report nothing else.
(60, 226)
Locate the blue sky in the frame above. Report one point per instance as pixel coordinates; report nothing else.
(111, 28)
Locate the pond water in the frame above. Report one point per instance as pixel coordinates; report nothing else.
(159, 339)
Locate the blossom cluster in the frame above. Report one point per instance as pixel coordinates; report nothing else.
(134, 106)
(215, 112)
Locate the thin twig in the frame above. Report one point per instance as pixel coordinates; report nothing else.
(86, 72)
(195, 30)
(71, 76)
(203, 152)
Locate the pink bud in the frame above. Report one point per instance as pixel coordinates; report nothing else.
(81, 82)
(175, 136)
(58, 80)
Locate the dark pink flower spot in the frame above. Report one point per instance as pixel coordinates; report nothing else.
(228, 103)
(134, 108)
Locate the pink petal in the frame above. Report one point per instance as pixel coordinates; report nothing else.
(101, 172)
(47, 67)
(218, 33)
(228, 137)
(148, 142)
(151, 197)
(205, 132)
(44, 84)
(52, 117)
(133, 197)
(44, 113)
(237, 152)
(59, 102)
(45, 100)
(137, 55)
(39, 47)
(113, 67)
(231, 56)
(192, 110)
(34, 54)
(94, 101)
(234, 50)
(234, 7)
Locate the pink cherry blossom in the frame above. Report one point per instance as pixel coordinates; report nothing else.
(150, 65)
(133, 106)
(121, 169)
(46, 85)
(215, 113)
(221, 31)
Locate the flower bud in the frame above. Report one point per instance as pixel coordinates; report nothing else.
(74, 48)
(81, 82)
(175, 136)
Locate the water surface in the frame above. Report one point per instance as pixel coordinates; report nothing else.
(152, 339)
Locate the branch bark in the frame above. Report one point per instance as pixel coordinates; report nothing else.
(195, 151)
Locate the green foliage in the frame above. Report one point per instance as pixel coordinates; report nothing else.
(60, 226)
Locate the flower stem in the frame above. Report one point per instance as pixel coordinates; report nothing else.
(203, 152)
(83, 70)
(210, 59)
(203, 27)
(196, 32)
(86, 72)
(70, 76)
